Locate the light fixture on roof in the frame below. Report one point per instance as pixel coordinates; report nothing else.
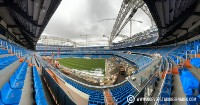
(43, 9)
(37, 2)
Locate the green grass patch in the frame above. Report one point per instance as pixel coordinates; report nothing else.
(82, 63)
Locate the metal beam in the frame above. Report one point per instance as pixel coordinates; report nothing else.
(196, 13)
(21, 27)
(183, 29)
(126, 6)
(15, 8)
(12, 26)
(24, 33)
(16, 33)
(3, 5)
(181, 21)
(152, 8)
(189, 12)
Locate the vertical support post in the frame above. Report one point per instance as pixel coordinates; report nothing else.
(195, 54)
(177, 60)
(130, 27)
(198, 49)
(10, 49)
(14, 50)
(1, 43)
(6, 45)
(186, 55)
(86, 40)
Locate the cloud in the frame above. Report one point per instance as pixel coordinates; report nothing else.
(79, 17)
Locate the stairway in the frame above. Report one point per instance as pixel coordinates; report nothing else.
(108, 97)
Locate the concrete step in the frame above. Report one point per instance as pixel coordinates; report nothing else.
(108, 97)
(6, 73)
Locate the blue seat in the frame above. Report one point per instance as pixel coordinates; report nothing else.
(20, 73)
(38, 84)
(168, 83)
(41, 101)
(164, 103)
(164, 94)
(16, 83)
(39, 94)
(1, 102)
(10, 96)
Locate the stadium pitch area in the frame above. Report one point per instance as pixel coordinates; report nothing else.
(82, 63)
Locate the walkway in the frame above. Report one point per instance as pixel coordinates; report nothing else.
(108, 97)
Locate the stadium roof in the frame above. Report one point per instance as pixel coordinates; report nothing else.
(174, 19)
(27, 18)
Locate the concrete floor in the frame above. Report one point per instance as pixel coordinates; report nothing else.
(27, 91)
(156, 91)
(6, 73)
(177, 90)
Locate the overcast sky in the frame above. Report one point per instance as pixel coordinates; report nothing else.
(78, 17)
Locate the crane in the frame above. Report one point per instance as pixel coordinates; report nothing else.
(131, 20)
(86, 36)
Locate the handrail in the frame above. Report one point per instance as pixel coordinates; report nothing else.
(156, 103)
(194, 52)
(1, 43)
(14, 50)
(19, 52)
(190, 52)
(178, 57)
(10, 49)
(198, 48)
(6, 44)
(186, 54)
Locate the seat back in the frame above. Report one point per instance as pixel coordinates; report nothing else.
(5, 90)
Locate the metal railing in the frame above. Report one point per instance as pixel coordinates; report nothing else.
(157, 102)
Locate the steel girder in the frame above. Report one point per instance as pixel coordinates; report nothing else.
(126, 7)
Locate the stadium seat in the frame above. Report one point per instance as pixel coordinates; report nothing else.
(120, 93)
(1, 102)
(39, 93)
(41, 101)
(9, 95)
(36, 78)
(195, 62)
(38, 89)
(16, 83)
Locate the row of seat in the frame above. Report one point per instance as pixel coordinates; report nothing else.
(195, 62)
(133, 42)
(121, 93)
(15, 48)
(190, 84)
(140, 60)
(3, 51)
(12, 90)
(96, 96)
(38, 88)
(5, 61)
(166, 89)
(138, 39)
